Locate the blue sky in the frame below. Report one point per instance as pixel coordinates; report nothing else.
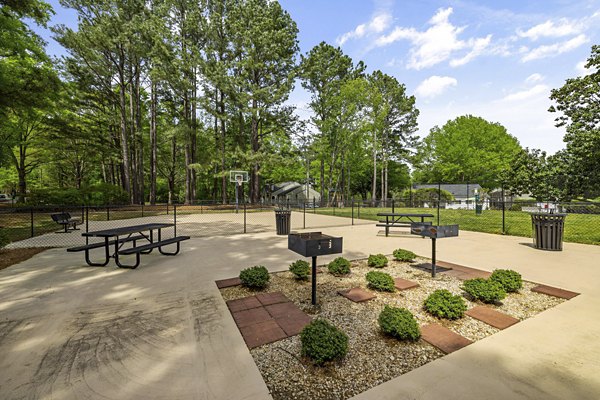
(494, 59)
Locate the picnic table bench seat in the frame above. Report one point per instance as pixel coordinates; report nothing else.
(97, 245)
(69, 223)
(159, 244)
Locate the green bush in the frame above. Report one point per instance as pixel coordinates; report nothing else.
(339, 266)
(510, 280)
(444, 304)
(256, 277)
(399, 323)
(377, 260)
(485, 290)
(515, 207)
(301, 269)
(321, 341)
(404, 255)
(380, 281)
(4, 239)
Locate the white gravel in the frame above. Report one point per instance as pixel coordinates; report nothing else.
(372, 357)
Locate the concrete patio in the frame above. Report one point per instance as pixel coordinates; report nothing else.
(69, 331)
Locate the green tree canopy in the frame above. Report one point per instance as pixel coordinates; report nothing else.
(578, 101)
(466, 149)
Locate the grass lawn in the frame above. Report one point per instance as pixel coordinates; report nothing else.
(579, 228)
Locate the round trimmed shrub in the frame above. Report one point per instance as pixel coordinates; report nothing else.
(256, 277)
(510, 280)
(380, 281)
(339, 266)
(399, 323)
(322, 341)
(377, 260)
(404, 255)
(443, 304)
(485, 290)
(301, 269)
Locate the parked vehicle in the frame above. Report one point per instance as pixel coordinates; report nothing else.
(5, 198)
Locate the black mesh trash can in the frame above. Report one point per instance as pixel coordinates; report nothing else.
(283, 221)
(548, 230)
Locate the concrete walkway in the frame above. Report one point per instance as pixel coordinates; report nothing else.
(69, 331)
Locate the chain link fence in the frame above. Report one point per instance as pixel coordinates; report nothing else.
(34, 226)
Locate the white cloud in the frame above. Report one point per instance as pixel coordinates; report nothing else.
(437, 44)
(526, 94)
(478, 45)
(380, 22)
(533, 78)
(434, 86)
(555, 49)
(563, 27)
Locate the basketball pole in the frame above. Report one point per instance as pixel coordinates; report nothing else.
(237, 190)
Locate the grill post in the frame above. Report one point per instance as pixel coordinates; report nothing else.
(314, 281)
(433, 257)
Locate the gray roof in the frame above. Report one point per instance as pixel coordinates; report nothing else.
(458, 190)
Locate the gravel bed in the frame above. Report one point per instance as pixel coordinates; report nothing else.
(372, 357)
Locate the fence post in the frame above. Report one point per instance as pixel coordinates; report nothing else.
(244, 217)
(352, 210)
(439, 201)
(142, 210)
(314, 208)
(503, 212)
(108, 213)
(174, 219)
(31, 211)
(393, 205)
(87, 219)
(304, 214)
(167, 208)
(359, 207)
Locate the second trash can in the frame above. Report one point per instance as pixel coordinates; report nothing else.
(548, 230)
(283, 221)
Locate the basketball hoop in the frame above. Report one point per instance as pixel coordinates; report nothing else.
(238, 177)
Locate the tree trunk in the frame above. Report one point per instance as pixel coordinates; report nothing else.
(374, 183)
(125, 168)
(255, 189)
(223, 159)
(153, 144)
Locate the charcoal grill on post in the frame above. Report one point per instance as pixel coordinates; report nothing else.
(433, 232)
(313, 244)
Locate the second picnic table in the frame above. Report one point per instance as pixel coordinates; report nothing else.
(393, 219)
(132, 233)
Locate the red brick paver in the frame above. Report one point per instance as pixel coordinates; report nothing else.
(293, 325)
(271, 298)
(556, 292)
(492, 317)
(443, 338)
(260, 324)
(357, 294)
(245, 303)
(262, 333)
(404, 284)
(249, 317)
(462, 272)
(224, 283)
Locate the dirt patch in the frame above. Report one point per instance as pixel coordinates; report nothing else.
(10, 257)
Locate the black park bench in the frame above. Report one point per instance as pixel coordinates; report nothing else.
(69, 223)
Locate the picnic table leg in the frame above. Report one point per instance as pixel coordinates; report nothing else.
(151, 241)
(166, 253)
(106, 255)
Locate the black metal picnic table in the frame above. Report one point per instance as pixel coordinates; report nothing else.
(397, 219)
(125, 234)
